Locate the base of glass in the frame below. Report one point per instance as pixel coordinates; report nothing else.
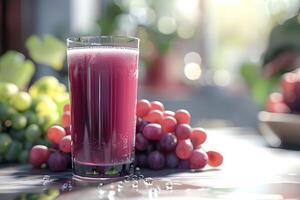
(94, 172)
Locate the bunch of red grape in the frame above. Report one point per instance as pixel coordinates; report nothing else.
(58, 157)
(165, 139)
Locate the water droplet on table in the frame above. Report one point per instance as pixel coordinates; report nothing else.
(66, 187)
(134, 177)
(169, 185)
(120, 184)
(135, 184)
(99, 186)
(101, 193)
(153, 193)
(127, 178)
(46, 180)
(111, 194)
(137, 170)
(141, 177)
(112, 186)
(148, 181)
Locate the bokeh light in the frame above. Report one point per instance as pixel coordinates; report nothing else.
(187, 8)
(192, 57)
(192, 71)
(166, 25)
(127, 24)
(185, 30)
(222, 77)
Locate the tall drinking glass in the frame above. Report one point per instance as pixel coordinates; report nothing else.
(103, 91)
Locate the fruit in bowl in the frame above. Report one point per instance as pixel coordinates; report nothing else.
(288, 101)
(280, 123)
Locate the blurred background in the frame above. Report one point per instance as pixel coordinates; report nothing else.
(218, 59)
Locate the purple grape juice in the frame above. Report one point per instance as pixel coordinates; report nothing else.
(103, 92)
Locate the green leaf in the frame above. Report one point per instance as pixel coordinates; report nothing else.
(14, 68)
(250, 73)
(49, 50)
(260, 87)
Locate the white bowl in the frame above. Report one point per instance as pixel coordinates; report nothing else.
(280, 129)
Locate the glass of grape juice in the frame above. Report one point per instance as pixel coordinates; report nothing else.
(103, 72)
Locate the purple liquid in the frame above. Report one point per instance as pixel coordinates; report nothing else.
(103, 87)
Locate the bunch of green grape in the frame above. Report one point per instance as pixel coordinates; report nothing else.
(26, 116)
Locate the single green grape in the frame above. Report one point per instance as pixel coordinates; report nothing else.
(28, 145)
(50, 120)
(12, 152)
(44, 141)
(45, 105)
(32, 133)
(44, 197)
(44, 85)
(52, 192)
(5, 141)
(45, 121)
(21, 101)
(31, 117)
(19, 121)
(23, 157)
(32, 196)
(61, 99)
(18, 135)
(7, 90)
(6, 112)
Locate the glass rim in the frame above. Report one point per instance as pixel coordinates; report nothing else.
(102, 40)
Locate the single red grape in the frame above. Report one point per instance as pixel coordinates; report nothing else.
(141, 160)
(215, 159)
(183, 131)
(151, 146)
(275, 103)
(57, 162)
(67, 108)
(168, 142)
(168, 124)
(184, 149)
(280, 108)
(198, 159)
(68, 159)
(156, 160)
(140, 125)
(171, 160)
(68, 130)
(169, 113)
(154, 116)
(141, 142)
(143, 106)
(157, 105)
(184, 164)
(55, 134)
(66, 119)
(182, 116)
(38, 155)
(152, 131)
(65, 144)
(158, 146)
(198, 136)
